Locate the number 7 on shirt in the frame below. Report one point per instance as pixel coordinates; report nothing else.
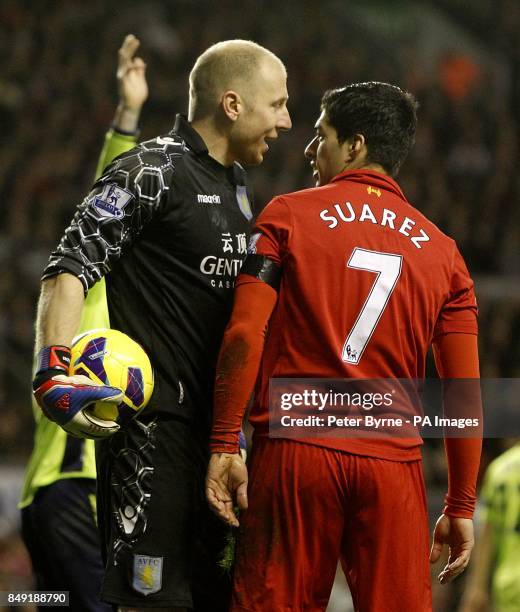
(387, 266)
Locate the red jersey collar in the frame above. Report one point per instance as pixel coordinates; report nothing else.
(372, 178)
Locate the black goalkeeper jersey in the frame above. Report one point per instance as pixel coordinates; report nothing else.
(168, 227)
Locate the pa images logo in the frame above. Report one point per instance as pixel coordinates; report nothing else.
(112, 201)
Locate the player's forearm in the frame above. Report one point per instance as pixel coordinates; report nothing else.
(133, 92)
(236, 374)
(127, 119)
(239, 362)
(463, 464)
(456, 357)
(59, 310)
(462, 400)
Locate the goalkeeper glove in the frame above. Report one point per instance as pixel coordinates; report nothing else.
(63, 398)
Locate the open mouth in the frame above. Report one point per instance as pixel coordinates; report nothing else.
(269, 138)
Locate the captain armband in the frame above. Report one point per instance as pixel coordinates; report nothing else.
(264, 269)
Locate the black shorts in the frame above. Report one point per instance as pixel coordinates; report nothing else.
(163, 546)
(62, 538)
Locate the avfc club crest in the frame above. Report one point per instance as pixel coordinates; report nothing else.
(112, 201)
(147, 574)
(243, 202)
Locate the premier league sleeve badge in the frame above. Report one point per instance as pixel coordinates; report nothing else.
(111, 202)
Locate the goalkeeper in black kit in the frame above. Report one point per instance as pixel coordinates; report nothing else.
(167, 227)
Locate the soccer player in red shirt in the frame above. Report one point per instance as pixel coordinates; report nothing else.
(349, 281)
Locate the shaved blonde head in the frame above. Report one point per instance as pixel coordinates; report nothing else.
(227, 65)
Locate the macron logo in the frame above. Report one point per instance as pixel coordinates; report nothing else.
(208, 199)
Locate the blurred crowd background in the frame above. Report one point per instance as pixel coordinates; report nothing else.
(58, 96)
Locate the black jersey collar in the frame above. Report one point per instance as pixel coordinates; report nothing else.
(192, 138)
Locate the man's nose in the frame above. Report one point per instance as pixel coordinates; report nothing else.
(310, 149)
(284, 122)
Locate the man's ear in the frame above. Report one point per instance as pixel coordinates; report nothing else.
(232, 104)
(354, 147)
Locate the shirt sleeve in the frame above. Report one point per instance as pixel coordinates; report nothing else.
(268, 245)
(121, 203)
(115, 144)
(459, 312)
(272, 231)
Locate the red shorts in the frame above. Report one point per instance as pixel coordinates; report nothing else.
(309, 507)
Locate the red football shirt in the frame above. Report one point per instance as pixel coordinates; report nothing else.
(367, 283)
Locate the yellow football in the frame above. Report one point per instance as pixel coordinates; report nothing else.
(110, 357)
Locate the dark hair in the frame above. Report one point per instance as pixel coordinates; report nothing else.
(385, 115)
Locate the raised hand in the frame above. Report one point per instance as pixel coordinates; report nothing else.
(132, 85)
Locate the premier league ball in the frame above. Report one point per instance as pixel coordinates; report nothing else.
(110, 357)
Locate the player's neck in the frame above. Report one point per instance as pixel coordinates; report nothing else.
(375, 168)
(216, 143)
(364, 165)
